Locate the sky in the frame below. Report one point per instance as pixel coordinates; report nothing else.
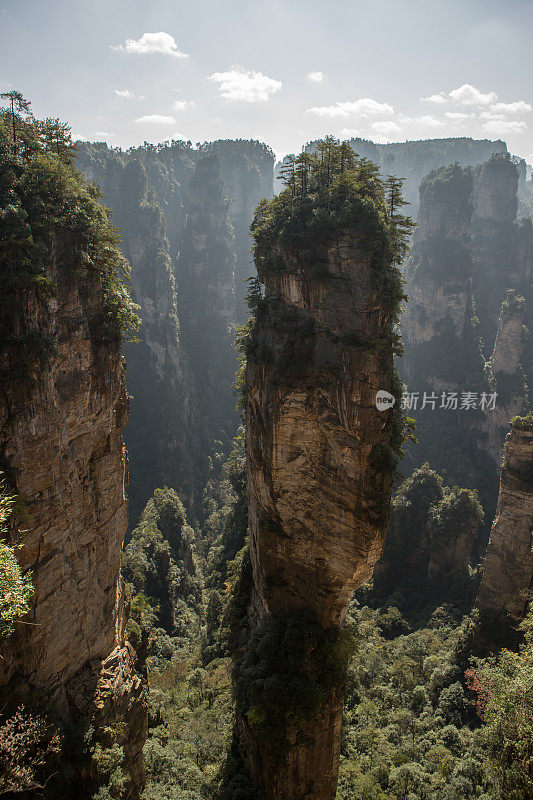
(282, 71)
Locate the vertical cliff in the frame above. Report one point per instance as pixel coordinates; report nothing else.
(247, 170)
(63, 407)
(507, 585)
(468, 286)
(320, 460)
(494, 241)
(161, 433)
(205, 273)
(505, 368)
(443, 364)
(159, 195)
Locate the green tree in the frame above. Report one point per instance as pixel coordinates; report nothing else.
(15, 588)
(18, 105)
(400, 225)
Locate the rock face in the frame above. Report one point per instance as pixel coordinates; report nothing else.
(319, 477)
(507, 585)
(206, 276)
(505, 365)
(247, 170)
(469, 255)
(160, 198)
(430, 539)
(61, 446)
(443, 356)
(160, 434)
(313, 432)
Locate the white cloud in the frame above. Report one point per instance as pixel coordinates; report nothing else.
(435, 98)
(349, 133)
(364, 107)
(105, 135)
(501, 127)
(180, 137)
(316, 77)
(427, 120)
(125, 93)
(457, 116)
(491, 115)
(468, 95)
(385, 127)
(511, 108)
(149, 43)
(246, 85)
(156, 119)
(77, 138)
(182, 105)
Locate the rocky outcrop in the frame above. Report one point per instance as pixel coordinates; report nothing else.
(507, 585)
(430, 539)
(506, 371)
(443, 364)
(61, 423)
(319, 477)
(453, 526)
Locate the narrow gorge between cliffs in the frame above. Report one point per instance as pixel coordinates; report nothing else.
(266, 450)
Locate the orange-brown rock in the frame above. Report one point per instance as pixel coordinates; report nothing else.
(319, 479)
(507, 585)
(61, 443)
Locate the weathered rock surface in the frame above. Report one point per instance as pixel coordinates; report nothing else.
(507, 585)
(161, 432)
(61, 444)
(506, 369)
(318, 488)
(160, 198)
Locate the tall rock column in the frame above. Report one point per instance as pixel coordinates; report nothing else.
(319, 472)
(161, 432)
(443, 365)
(507, 585)
(507, 373)
(63, 407)
(206, 302)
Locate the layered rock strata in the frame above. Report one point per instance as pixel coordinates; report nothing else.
(62, 450)
(319, 473)
(507, 585)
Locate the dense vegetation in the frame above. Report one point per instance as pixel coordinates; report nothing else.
(330, 192)
(45, 204)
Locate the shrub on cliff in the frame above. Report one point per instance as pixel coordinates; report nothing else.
(15, 588)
